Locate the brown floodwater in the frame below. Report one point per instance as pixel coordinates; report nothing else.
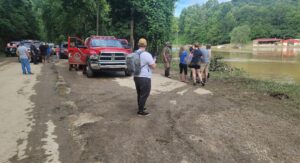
(277, 64)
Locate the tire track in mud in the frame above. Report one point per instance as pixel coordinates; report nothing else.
(177, 134)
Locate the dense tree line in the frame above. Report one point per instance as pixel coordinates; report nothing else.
(130, 19)
(54, 20)
(214, 22)
(17, 21)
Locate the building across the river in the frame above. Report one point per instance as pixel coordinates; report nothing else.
(275, 41)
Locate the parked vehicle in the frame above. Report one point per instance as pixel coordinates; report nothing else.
(11, 49)
(97, 53)
(63, 50)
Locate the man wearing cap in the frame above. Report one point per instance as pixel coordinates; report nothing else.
(167, 57)
(24, 59)
(143, 80)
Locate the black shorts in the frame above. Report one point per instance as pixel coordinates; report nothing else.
(195, 66)
(183, 67)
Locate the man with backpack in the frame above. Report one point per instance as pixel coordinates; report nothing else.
(144, 64)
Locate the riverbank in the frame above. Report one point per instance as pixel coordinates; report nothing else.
(238, 80)
(247, 48)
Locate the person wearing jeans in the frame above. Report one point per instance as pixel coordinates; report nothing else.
(25, 66)
(24, 59)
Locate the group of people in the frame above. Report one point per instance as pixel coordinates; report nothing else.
(33, 54)
(44, 53)
(197, 59)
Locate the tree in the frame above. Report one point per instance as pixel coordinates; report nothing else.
(17, 21)
(213, 22)
(240, 35)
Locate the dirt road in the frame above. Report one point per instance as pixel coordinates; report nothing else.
(62, 116)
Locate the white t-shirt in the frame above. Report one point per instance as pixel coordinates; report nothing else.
(22, 52)
(146, 60)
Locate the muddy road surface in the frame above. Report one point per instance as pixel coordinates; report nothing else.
(60, 116)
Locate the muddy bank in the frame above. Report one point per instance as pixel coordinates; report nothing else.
(91, 120)
(230, 124)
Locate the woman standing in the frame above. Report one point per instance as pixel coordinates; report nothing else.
(183, 55)
(195, 64)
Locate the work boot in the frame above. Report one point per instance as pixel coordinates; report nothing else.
(143, 113)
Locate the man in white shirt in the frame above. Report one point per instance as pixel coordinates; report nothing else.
(143, 80)
(24, 59)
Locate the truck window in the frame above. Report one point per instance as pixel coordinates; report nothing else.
(106, 43)
(74, 42)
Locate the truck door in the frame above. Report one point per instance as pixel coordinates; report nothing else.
(76, 51)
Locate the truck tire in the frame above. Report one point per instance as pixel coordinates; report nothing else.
(70, 67)
(127, 73)
(84, 69)
(89, 71)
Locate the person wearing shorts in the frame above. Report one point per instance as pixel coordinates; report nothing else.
(183, 55)
(195, 64)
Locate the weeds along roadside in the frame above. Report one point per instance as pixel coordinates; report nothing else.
(219, 70)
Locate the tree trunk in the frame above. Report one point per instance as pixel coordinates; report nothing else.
(97, 25)
(131, 29)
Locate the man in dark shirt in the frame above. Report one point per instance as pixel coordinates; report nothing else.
(34, 53)
(43, 51)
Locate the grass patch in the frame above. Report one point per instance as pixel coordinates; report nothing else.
(282, 91)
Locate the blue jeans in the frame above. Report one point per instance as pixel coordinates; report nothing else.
(25, 65)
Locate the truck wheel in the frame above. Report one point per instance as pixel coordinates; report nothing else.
(84, 69)
(127, 73)
(89, 71)
(70, 67)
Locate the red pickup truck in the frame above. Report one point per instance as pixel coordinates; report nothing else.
(97, 53)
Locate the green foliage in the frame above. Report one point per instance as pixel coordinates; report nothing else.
(17, 21)
(213, 22)
(217, 65)
(240, 35)
(152, 19)
(174, 30)
(74, 18)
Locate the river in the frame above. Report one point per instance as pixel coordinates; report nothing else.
(277, 64)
